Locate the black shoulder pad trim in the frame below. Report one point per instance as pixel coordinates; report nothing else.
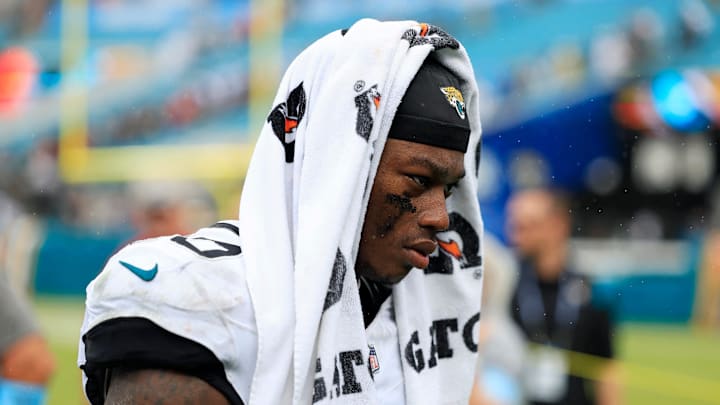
(138, 343)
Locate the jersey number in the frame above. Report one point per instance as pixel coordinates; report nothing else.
(223, 249)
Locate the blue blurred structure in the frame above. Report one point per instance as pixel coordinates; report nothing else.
(567, 140)
(676, 103)
(69, 258)
(662, 295)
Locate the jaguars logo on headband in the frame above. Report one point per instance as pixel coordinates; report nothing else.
(455, 98)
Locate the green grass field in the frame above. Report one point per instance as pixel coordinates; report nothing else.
(661, 364)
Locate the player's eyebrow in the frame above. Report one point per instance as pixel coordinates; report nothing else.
(437, 170)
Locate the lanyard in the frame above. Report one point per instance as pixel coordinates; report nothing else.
(532, 309)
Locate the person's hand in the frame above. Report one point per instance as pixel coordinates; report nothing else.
(28, 360)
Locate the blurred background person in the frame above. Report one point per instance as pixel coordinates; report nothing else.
(26, 363)
(161, 208)
(20, 235)
(501, 344)
(552, 305)
(707, 299)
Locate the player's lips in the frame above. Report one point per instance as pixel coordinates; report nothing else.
(419, 253)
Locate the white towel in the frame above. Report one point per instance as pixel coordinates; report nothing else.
(301, 215)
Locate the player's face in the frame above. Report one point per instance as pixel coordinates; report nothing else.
(406, 209)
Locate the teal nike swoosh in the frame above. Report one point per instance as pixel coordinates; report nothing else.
(145, 275)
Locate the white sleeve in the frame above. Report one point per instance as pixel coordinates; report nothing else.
(172, 283)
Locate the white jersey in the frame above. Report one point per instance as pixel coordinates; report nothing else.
(194, 287)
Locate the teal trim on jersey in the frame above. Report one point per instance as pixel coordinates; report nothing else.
(145, 275)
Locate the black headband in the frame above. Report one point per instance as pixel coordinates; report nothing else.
(432, 111)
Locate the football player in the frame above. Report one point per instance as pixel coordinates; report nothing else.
(176, 319)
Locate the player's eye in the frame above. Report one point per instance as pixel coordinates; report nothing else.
(421, 181)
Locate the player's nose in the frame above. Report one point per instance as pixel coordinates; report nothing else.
(433, 214)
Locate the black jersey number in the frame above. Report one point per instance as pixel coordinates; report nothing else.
(223, 249)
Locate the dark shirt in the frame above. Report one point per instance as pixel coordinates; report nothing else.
(588, 330)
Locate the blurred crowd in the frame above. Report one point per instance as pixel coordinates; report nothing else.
(179, 73)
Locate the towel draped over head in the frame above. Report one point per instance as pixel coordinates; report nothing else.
(302, 211)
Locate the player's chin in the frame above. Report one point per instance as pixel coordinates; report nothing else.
(396, 277)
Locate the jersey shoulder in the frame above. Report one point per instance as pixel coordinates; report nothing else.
(200, 272)
(191, 289)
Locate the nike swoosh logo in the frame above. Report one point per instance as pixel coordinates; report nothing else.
(144, 274)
